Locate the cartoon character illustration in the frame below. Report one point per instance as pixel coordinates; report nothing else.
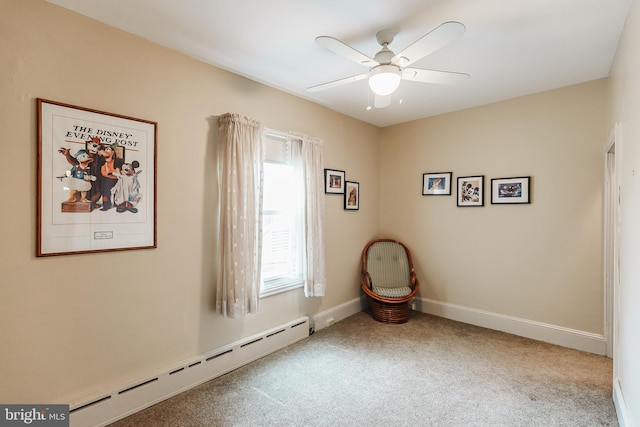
(79, 178)
(92, 147)
(470, 193)
(510, 190)
(109, 172)
(436, 184)
(126, 192)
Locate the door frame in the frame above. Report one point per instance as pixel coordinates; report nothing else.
(611, 222)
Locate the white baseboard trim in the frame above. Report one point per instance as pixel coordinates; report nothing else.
(620, 404)
(341, 312)
(107, 408)
(566, 337)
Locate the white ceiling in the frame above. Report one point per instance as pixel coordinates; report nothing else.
(510, 48)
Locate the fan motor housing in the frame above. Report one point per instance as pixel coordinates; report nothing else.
(384, 56)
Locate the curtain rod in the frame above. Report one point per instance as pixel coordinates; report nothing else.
(279, 135)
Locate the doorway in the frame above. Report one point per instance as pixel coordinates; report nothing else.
(611, 228)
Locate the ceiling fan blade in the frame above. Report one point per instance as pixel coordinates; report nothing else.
(336, 83)
(342, 49)
(433, 76)
(381, 101)
(429, 43)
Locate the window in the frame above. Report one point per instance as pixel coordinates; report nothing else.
(282, 232)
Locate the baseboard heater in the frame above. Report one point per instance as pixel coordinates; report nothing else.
(110, 407)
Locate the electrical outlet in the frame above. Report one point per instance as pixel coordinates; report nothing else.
(330, 321)
(413, 306)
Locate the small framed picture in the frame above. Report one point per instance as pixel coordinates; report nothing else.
(333, 181)
(471, 190)
(436, 184)
(510, 190)
(352, 196)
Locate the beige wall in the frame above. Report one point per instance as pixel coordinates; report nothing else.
(71, 326)
(540, 262)
(625, 115)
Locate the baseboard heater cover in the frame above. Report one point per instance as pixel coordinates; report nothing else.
(110, 407)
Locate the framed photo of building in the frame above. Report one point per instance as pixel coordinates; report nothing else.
(96, 180)
(352, 196)
(436, 184)
(471, 190)
(510, 190)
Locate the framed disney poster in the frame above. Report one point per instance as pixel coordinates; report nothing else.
(96, 181)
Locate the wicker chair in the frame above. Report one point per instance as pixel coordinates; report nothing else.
(388, 279)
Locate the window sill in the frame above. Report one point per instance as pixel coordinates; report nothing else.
(273, 290)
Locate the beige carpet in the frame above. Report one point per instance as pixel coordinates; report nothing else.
(427, 372)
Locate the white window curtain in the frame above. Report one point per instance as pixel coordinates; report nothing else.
(308, 156)
(240, 232)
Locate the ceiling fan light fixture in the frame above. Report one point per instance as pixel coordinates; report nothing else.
(384, 79)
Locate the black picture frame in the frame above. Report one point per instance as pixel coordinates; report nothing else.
(470, 191)
(352, 196)
(511, 190)
(436, 183)
(334, 181)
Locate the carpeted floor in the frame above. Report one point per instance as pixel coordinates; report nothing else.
(427, 372)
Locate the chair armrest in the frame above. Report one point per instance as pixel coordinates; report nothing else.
(366, 280)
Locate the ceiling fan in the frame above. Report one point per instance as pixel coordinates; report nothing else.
(387, 69)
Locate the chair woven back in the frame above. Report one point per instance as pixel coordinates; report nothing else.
(388, 265)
